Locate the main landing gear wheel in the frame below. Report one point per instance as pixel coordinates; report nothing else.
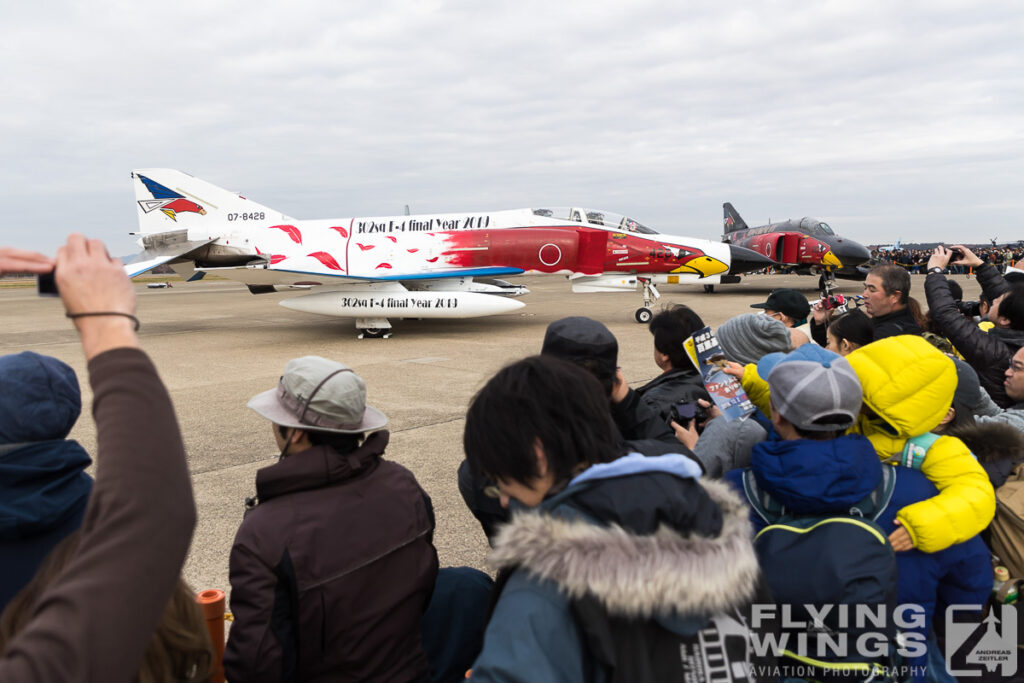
(709, 289)
(374, 334)
(373, 328)
(644, 315)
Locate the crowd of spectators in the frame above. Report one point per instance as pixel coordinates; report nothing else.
(915, 260)
(632, 540)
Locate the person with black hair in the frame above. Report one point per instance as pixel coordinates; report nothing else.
(639, 426)
(849, 331)
(989, 353)
(979, 407)
(333, 565)
(886, 301)
(612, 568)
(679, 379)
(589, 344)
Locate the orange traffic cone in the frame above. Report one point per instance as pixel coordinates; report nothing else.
(212, 602)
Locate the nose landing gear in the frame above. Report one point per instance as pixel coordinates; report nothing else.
(651, 294)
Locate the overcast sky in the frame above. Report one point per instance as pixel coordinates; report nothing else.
(886, 119)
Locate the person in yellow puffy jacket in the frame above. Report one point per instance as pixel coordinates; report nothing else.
(908, 388)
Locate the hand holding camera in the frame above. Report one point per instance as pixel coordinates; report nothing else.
(685, 413)
(97, 294)
(687, 418)
(964, 256)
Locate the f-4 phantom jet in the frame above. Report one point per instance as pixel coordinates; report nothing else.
(410, 266)
(807, 244)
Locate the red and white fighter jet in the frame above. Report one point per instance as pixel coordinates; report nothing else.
(419, 266)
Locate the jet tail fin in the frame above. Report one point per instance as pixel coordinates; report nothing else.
(169, 200)
(732, 220)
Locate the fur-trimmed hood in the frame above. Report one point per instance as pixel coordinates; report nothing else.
(991, 441)
(998, 446)
(671, 571)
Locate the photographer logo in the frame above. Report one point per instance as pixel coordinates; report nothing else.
(973, 649)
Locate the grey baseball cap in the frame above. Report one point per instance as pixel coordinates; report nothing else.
(321, 395)
(812, 383)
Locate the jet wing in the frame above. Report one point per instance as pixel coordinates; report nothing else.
(157, 255)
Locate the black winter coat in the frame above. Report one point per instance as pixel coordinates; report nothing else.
(989, 353)
(894, 324)
(678, 384)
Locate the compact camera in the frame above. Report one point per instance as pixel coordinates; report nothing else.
(972, 309)
(833, 301)
(46, 284)
(839, 303)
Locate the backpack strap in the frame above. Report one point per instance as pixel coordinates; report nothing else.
(914, 450)
(773, 512)
(872, 505)
(766, 507)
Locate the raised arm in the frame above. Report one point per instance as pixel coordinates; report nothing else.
(95, 620)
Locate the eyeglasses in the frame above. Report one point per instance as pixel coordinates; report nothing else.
(1016, 367)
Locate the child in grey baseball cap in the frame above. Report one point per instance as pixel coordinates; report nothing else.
(813, 388)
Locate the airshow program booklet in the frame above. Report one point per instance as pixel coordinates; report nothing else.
(726, 391)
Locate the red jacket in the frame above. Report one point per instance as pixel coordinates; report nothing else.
(332, 571)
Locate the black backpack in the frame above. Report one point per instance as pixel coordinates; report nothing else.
(716, 649)
(839, 560)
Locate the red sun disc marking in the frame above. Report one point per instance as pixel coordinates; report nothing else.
(550, 254)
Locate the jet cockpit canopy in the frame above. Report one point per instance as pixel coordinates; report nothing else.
(815, 227)
(601, 218)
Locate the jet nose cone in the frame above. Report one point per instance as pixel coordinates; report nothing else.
(850, 253)
(743, 260)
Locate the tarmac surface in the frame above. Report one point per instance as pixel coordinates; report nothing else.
(216, 345)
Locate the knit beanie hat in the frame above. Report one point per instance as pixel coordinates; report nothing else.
(39, 398)
(968, 387)
(749, 337)
(577, 339)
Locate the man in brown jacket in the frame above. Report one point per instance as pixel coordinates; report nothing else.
(333, 565)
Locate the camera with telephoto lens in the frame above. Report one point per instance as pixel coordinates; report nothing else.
(685, 412)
